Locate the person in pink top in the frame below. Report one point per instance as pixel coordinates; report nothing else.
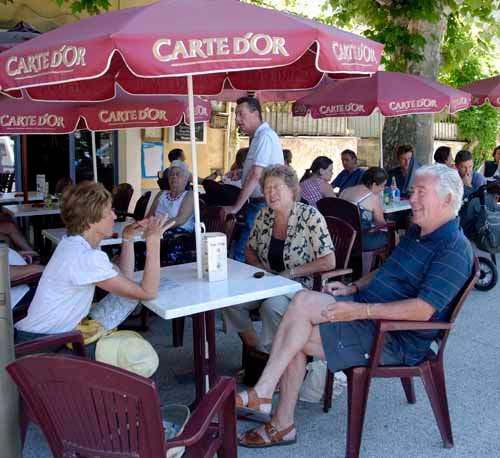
(315, 184)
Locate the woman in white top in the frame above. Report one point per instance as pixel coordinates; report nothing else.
(367, 196)
(66, 288)
(177, 202)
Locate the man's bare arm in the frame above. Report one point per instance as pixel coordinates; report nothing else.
(409, 309)
(250, 183)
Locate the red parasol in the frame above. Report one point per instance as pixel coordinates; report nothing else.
(487, 89)
(392, 93)
(184, 47)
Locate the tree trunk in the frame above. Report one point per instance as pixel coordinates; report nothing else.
(418, 130)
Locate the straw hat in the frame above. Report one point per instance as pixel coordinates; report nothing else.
(91, 331)
(128, 350)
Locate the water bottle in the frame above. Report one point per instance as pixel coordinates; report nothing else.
(387, 196)
(48, 200)
(395, 192)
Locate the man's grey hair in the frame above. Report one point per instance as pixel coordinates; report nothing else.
(448, 182)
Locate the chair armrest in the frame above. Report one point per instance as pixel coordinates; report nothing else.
(389, 225)
(32, 279)
(38, 345)
(388, 325)
(334, 273)
(320, 278)
(203, 415)
(384, 326)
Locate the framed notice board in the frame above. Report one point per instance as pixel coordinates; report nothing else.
(180, 133)
(152, 159)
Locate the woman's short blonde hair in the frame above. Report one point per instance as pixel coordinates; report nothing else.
(83, 205)
(286, 173)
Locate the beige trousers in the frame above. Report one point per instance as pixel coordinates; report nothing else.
(271, 311)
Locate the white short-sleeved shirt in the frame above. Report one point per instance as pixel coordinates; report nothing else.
(17, 292)
(65, 291)
(265, 149)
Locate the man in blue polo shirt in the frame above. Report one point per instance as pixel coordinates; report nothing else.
(418, 282)
(352, 173)
(465, 167)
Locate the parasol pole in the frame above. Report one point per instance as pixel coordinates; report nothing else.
(194, 157)
(381, 139)
(9, 407)
(94, 156)
(24, 165)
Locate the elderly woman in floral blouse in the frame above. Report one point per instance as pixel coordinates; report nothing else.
(289, 238)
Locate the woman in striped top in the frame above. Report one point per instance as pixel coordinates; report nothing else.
(315, 184)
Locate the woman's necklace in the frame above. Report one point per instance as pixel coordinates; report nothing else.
(173, 198)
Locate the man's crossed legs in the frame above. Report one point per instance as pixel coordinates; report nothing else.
(297, 337)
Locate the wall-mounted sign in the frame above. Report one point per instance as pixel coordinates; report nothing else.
(180, 133)
(152, 159)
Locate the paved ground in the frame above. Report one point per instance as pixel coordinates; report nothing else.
(392, 428)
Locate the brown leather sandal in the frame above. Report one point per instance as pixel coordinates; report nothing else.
(254, 439)
(252, 410)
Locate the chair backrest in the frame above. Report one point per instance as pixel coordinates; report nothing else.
(216, 220)
(457, 303)
(86, 408)
(21, 309)
(141, 206)
(6, 181)
(220, 194)
(230, 193)
(61, 184)
(348, 212)
(122, 194)
(343, 236)
(162, 182)
(464, 292)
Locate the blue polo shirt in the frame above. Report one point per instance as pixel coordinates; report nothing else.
(346, 180)
(433, 268)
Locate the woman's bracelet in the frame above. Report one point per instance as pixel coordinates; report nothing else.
(291, 273)
(124, 240)
(369, 311)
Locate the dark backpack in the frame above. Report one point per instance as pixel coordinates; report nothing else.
(488, 230)
(481, 221)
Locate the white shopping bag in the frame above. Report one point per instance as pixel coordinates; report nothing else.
(314, 384)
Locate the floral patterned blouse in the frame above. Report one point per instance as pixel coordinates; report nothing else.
(307, 238)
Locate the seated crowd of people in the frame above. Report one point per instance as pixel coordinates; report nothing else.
(282, 232)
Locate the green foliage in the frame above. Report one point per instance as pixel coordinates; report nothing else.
(480, 124)
(466, 52)
(467, 58)
(388, 22)
(90, 6)
(395, 23)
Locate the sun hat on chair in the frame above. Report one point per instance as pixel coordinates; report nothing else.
(128, 350)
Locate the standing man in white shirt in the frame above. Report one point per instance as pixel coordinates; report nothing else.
(265, 149)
